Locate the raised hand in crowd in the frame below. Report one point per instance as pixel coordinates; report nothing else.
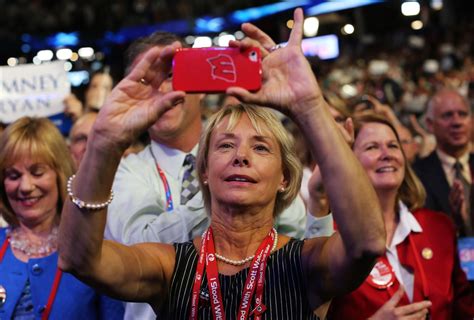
(287, 76)
(428, 141)
(73, 107)
(384, 110)
(136, 102)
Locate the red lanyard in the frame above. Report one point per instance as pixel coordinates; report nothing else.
(255, 279)
(54, 289)
(169, 198)
(4, 248)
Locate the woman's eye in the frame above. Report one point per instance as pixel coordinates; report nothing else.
(261, 148)
(38, 170)
(38, 173)
(11, 175)
(225, 146)
(371, 147)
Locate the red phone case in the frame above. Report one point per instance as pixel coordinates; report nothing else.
(216, 69)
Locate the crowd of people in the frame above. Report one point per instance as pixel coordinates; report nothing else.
(309, 212)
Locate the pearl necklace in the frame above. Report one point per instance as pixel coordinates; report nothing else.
(248, 259)
(34, 249)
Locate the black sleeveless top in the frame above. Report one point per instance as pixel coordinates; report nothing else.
(284, 290)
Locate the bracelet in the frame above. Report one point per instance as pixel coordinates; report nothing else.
(82, 204)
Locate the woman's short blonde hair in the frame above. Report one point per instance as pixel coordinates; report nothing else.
(260, 118)
(411, 192)
(40, 140)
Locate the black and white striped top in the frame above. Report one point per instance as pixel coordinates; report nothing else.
(284, 296)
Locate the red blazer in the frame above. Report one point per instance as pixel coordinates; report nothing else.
(449, 291)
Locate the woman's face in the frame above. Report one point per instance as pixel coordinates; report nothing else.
(380, 154)
(32, 191)
(244, 167)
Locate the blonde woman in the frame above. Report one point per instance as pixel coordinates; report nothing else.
(34, 166)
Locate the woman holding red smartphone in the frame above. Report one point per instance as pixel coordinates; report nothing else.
(248, 171)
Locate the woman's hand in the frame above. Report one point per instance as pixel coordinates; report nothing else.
(389, 310)
(73, 107)
(385, 110)
(136, 102)
(288, 83)
(347, 131)
(428, 141)
(318, 203)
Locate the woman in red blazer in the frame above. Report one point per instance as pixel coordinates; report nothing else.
(420, 274)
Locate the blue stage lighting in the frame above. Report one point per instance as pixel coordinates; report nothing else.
(63, 39)
(337, 5)
(250, 14)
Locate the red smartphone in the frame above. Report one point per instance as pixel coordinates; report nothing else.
(215, 69)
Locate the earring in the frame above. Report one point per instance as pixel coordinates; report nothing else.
(282, 189)
(205, 182)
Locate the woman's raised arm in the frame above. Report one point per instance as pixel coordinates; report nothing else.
(341, 262)
(130, 273)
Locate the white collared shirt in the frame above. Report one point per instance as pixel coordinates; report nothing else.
(136, 213)
(447, 162)
(171, 162)
(407, 224)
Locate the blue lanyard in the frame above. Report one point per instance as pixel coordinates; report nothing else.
(169, 198)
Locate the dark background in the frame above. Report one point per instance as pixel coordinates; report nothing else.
(109, 26)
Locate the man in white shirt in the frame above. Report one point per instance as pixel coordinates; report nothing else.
(447, 172)
(147, 186)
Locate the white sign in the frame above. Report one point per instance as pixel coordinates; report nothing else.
(31, 90)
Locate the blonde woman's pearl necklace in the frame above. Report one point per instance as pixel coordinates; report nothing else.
(248, 259)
